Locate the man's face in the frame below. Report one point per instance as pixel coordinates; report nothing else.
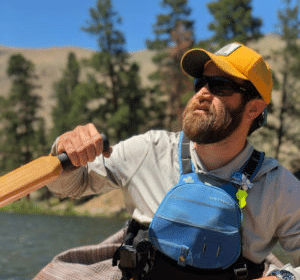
(210, 119)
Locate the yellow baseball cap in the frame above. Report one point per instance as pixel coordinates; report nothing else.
(235, 59)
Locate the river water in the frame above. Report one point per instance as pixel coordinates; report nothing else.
(29, 242)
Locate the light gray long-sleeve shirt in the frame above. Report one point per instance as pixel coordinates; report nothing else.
(146, 167)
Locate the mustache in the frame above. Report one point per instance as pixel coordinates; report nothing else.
(199, 105)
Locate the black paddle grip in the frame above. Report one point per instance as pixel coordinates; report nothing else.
(67, 164)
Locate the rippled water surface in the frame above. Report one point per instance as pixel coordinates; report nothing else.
(29, 242)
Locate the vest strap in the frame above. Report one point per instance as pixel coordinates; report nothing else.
(185, 155)
(250, 168)
(253, 165)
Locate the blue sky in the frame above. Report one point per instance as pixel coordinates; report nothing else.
(57, 23)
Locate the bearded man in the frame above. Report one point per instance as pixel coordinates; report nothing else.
(204, 203)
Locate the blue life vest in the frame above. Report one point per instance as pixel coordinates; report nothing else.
(198, 224)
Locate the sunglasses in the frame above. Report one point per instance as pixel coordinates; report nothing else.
(219, 86)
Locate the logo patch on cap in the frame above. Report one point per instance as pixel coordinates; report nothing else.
(228, 49)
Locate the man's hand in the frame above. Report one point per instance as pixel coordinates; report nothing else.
(83, 144)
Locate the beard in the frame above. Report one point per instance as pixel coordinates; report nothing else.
(213, 125)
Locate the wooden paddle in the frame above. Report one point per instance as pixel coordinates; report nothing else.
(34, 175)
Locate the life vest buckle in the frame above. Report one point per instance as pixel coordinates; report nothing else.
(241, 273)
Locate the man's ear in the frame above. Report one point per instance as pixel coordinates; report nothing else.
(254, 108)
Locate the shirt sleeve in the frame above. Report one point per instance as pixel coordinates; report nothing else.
(103, 174)
(287, 204)
(287, 194)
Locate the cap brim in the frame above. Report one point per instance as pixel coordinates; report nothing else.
(193, 63)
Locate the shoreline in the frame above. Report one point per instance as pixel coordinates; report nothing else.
(106, 205)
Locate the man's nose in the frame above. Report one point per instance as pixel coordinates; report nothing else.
(204, 92)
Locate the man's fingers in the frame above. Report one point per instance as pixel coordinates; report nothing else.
(95, 138)
(86, 150)
(65, 144)
(108, 153)
(83, 144)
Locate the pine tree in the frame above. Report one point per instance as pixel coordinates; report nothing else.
(112, 57)
(63, 90)
(64, 95)
(233, 21)
(173, 36)
(132, 114)
(120, 88)
(72, 98)
(280, 136)
(19, 115)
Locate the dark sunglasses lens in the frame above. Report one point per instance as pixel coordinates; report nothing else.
(219, 82)
(220, 86)
(217, 85)
(199, 83)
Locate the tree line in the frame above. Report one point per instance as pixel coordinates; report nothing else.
(113, 97)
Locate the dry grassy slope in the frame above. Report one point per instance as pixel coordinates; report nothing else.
(49, 65)
(106, 204)
(289, 155)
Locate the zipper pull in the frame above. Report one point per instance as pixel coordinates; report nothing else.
(241, 195)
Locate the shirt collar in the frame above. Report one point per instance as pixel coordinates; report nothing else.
(226, 171)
